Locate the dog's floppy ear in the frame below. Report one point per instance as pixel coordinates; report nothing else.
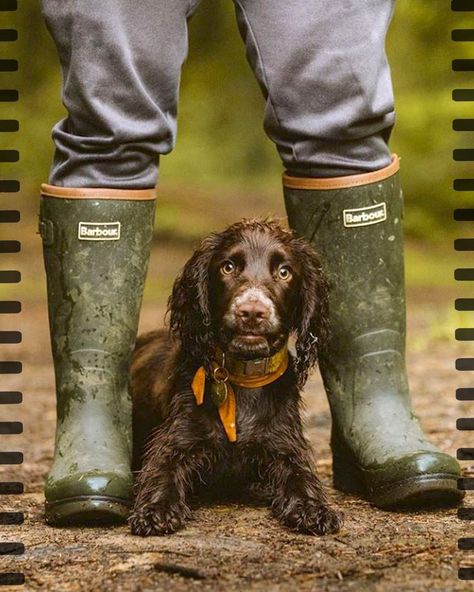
(310, 321)
(188, 305)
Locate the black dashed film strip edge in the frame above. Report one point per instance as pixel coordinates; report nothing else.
(8, 219)
(465, 214)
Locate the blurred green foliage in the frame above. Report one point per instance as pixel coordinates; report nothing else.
(221, 144)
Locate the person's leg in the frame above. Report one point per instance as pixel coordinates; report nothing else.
(121, 66)
(323, 69)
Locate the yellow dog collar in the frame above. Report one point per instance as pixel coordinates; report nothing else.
(234, 371)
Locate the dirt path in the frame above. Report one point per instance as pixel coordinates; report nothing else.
(236, 548)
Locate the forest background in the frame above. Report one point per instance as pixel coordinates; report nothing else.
(224, 167)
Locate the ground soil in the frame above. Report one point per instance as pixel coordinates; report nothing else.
(236, 547)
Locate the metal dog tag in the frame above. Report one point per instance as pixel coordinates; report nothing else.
(219, 393)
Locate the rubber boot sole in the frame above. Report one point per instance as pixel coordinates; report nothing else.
(420, 491)
(87, 511)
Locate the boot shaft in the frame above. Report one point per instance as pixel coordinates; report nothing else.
(358, 232)
(96, 256)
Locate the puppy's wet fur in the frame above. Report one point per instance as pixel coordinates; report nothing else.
(246, 290)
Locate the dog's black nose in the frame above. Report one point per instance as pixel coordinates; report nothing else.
(253, 311)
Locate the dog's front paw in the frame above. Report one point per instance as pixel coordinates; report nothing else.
(307, 516)
(155, 519)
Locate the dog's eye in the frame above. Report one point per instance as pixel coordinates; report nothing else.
(284, 273)
(227, 267)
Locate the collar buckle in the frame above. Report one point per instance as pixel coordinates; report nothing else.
(257, 367)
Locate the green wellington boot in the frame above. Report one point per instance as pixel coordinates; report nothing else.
(96, 247)
(379, 450)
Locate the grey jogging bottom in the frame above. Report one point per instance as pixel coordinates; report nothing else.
(320, 63)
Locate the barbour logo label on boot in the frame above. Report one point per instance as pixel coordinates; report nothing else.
(99, 231)
(365, 216)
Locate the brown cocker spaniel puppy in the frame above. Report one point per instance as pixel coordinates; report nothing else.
(217, 399)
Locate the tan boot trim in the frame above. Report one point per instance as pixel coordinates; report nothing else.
(97, 193)
(343, 182)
